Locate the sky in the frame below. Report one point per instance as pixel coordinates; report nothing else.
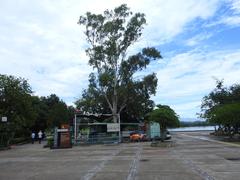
(199, 41)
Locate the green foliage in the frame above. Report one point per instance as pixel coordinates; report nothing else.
(26, 112)
(16, 104)
(222, 106)
(50, 142)
(226, 114)
(52, 112)
(112, 89)
(92, 101)
(165, 116)
(58, 114)
(41, 110)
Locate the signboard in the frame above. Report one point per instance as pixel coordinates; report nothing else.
(4, 119)
(62, 130)
(113, 127)
(55, 138)
(65, 140)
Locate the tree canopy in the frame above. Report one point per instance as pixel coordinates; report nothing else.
(16, 103)
(222, 107)
(113, 86)
(165, 116)
(51, 112)
(26, 112)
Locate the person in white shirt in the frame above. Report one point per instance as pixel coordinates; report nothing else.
(40, 134)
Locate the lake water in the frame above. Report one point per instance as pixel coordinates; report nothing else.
(197, 128)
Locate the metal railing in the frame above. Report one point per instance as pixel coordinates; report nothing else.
(100, 138)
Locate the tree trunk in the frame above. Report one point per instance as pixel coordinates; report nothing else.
(114, 111)
(162, 133)
(115, 100)
(115, 118)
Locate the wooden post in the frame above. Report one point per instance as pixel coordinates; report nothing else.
(119, 121)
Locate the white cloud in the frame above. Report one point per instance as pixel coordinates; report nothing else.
(167, 19)
(45, 33)
(232, 20)
(190, 76)
(230, 17)
(235, 5)
(41, 41)
(186, 108)
(198, 38)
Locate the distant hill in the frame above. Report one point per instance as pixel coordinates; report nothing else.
(191, 122)
(191, 119)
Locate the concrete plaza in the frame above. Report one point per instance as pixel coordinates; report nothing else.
(194, 156)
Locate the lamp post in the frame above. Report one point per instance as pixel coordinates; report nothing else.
(119, 122)
(3, 132)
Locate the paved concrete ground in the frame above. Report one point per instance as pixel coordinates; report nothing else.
(194, 157)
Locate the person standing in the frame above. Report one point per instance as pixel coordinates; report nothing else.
(33, 137)
(40, 134)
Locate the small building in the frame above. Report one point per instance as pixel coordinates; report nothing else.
(153, 130)
(99, 128)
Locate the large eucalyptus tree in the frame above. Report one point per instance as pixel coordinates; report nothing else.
(110, 35)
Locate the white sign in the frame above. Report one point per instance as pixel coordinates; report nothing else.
(4, 119)
(113, 127)
(62, 130)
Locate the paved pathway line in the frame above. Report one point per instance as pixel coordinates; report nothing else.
(204, 175)
(101, 165)
(135, 163)
(211, 140)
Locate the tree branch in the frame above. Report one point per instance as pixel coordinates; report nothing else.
(123, 106)
(105, 96)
